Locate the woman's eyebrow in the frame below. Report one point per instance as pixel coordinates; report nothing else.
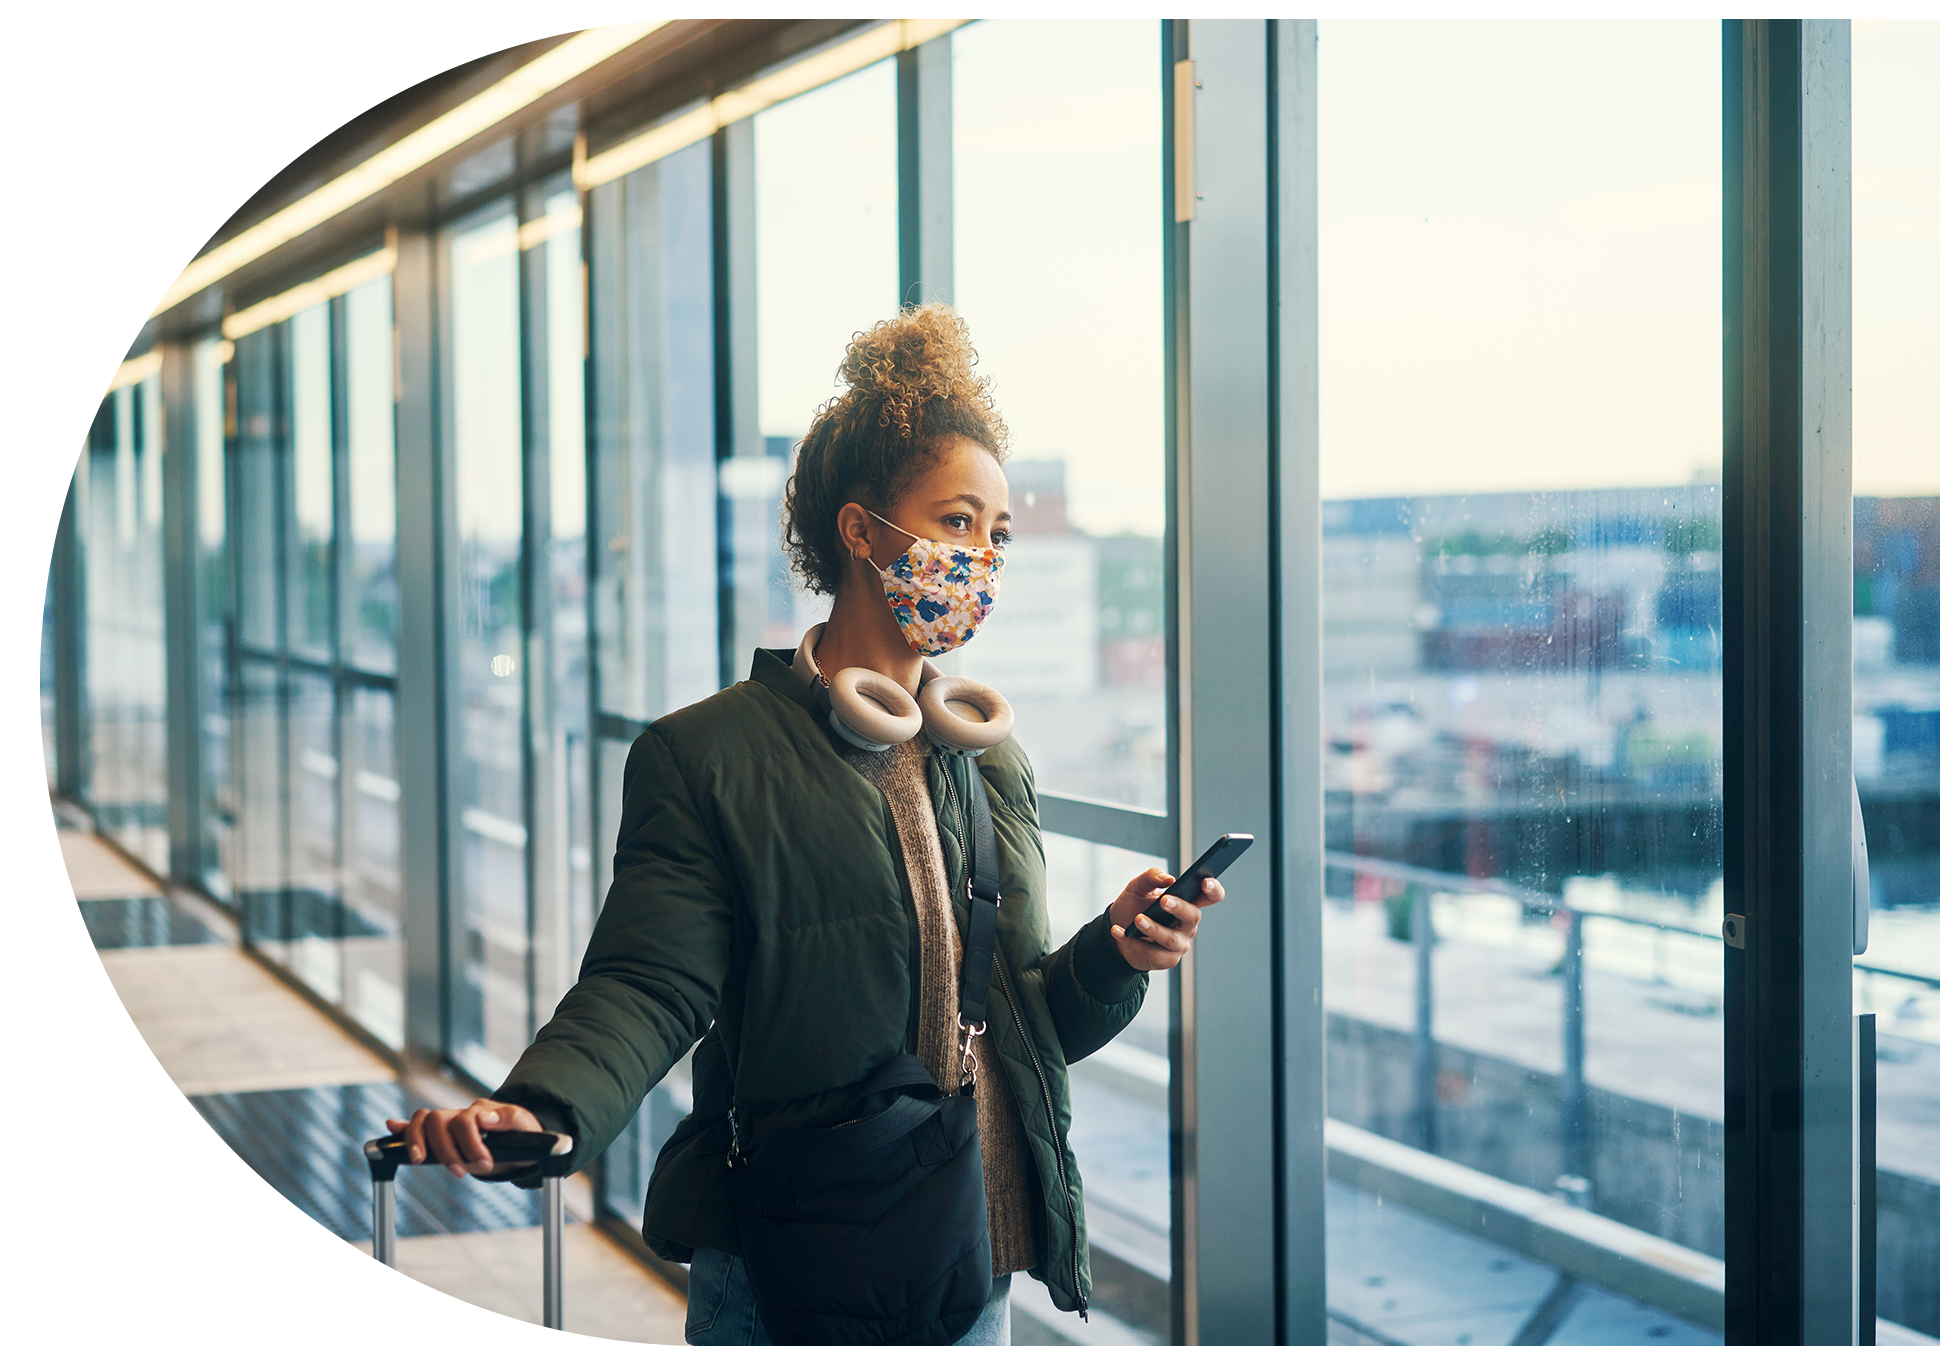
(975, 503)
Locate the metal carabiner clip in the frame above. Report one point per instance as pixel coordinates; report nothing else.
(967, 1069)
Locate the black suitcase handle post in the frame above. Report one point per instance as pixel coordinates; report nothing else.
(550, 1155)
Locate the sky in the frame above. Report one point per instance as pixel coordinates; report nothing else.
(1519, 242)
(1896, 257)
(1520, 279)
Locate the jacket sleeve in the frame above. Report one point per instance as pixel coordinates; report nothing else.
(1091, 991)
(653, 972)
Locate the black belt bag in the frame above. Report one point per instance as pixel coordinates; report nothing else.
(874, 1231)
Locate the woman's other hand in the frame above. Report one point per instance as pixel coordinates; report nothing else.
(1165, 947)
(452, 1136)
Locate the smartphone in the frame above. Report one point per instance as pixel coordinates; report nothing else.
(1211, 863)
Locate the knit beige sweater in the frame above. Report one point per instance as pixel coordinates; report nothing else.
(901, 774)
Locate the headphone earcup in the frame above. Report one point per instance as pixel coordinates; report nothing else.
(961, 715)
(871, 711)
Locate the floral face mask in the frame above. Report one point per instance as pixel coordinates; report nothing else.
(940, 592)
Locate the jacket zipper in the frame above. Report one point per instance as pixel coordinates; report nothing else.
(1043, 1083)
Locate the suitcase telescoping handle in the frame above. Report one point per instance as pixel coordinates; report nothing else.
(551, 1155)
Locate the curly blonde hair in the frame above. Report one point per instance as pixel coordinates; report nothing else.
(908, 386)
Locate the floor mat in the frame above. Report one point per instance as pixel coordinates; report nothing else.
(308, 1144)
(107, 924)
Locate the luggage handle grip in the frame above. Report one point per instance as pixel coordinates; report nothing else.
(551, 1154)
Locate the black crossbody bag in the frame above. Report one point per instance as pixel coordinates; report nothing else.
(874, 1231)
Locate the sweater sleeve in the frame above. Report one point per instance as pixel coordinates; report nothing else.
(653, 972)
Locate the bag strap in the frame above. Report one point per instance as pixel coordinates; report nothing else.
(980, 938)
(979, 943)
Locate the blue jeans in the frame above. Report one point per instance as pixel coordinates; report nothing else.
(721, 1311)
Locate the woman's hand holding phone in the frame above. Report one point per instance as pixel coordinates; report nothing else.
(1162, 947)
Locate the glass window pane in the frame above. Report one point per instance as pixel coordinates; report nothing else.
(125, 724)
(258, 502)
(373, 949)
(260, 871)
(143, 825)
(312, 493)
(1521, 612)
(315, 913)
(1120, 1127)
(1896, 629)
(490, 1008)
(562, 786)
(370, 615)
(657, 595)
(825, 269)
(1059, 155)
(213, 609)
(103, 588)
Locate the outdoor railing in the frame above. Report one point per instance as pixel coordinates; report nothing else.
(1417, 882)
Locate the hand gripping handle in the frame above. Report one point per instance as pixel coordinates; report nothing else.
(551, 1156)
(551, 1153)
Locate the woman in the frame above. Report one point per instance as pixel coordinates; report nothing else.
(793, 901)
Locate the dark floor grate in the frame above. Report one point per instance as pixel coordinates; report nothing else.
(308, 1144)
(289, 914)
(149, 922)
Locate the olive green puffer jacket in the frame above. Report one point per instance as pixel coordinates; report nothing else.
(759, 904)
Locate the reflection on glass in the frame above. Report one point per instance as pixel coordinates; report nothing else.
(825, 269)
(120, 522)
(656, 597)
(370, 611)
(372, 913)
(490, 1002)
(213, 610)
(261, 869)
(1064, 117)
(1896, 631)
(312, 497)
(1120, 1127)
(312, 909)
(95, 517)
(1523, 972)
(146, 831)
(259, 499)
(562, 788)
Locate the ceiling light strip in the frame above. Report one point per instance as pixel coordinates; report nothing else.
(886, 40)
(415, 150)
(295, 300)
(136, 370)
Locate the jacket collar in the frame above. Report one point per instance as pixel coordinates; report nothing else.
(774, 668)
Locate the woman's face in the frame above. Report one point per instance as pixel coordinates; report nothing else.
(963, 499)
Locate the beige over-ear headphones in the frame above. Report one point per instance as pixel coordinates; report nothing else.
(869, 710)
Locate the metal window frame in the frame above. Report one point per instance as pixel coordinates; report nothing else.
(1789, 1116)
(925, 180)
(426, 572)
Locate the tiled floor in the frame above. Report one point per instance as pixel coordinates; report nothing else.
(152, 1233)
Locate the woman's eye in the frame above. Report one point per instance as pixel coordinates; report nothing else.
(957, 523)
(1000, 538)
